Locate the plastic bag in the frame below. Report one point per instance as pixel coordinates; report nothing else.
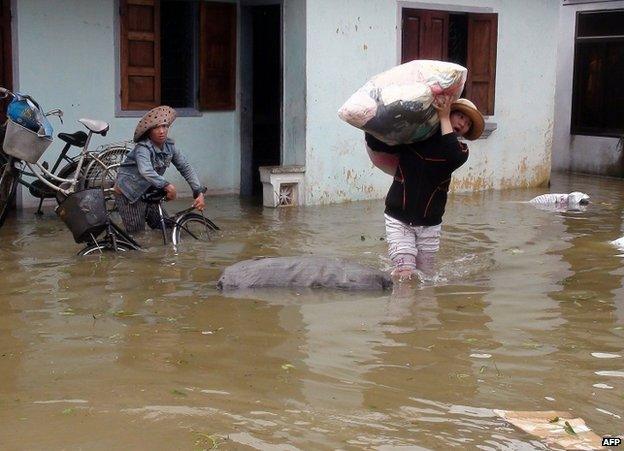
(387, 162)
(25, 111)
(396, 105)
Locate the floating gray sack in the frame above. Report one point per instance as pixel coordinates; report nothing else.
(310, 272)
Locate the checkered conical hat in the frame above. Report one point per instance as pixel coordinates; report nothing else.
(153, 118)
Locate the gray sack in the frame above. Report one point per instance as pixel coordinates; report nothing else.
(310, 272)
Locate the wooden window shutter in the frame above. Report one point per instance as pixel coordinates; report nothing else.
(424, 35)
(217, 61)
(140, 54)
(481, 61)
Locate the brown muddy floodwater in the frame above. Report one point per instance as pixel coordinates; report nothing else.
(140, 351)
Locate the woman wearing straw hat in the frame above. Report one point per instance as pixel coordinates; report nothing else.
(417, 198)
(144, 167)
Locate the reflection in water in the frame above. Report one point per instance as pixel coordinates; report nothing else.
(526, 313)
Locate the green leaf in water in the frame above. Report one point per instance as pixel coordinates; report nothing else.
(123, 313)
(482, 369)
(528, 344)
(569, 429)
(498, 373)
(288, 366)
(471, 340)
(554, 420)
(68, 411)
(208, 441)
(177, 392)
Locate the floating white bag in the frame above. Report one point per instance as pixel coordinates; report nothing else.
(396, 105)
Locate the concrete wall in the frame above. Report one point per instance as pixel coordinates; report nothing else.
(577, 153)
(66, 58)
(294, 63)
(349, 41)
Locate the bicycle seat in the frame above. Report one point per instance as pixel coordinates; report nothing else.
(154, 196)
(99, 127)
(77, 139)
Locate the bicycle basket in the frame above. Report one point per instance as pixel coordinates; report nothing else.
(23, 143)
(84, 214)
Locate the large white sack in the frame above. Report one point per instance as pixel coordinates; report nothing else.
(396, 105)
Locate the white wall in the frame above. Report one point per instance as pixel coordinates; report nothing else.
(294, 61)
(65, 54)
(577, 153)
(349, 41)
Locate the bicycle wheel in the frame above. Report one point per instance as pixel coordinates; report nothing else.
(102, 246)
(8, 185)
(193, 226)
(105, 167)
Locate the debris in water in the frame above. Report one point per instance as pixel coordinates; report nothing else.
(557, 429)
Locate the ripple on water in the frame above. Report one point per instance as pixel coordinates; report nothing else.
(610, 373)
(605, 355)
(481, 356)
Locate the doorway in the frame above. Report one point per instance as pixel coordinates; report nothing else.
(261, 85)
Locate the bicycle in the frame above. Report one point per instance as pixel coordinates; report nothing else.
(184, 225)
(81, 171)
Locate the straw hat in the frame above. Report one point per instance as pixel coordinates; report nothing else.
(469, 109)
(153, 118)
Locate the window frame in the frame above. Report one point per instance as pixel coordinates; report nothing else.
(576, 129)
(197, 110)
(474, 14)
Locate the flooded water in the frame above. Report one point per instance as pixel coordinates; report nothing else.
(140, 351)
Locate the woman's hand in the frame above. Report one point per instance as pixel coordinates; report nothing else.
(199, 202)
(171, 191)
(443, 106)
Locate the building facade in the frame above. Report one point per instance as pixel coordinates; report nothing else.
(259, 82)
(589, 126)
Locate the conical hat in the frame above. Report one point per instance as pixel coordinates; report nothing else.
(153, 118)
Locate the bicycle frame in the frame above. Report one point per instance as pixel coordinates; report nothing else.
(72, 181)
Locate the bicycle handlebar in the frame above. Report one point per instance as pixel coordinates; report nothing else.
(4, 93)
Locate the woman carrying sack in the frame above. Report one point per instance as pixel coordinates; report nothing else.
(417, 198)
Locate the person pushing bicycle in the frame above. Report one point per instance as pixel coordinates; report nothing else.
(144, 167)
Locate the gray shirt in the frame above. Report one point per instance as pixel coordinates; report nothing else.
(145, 165)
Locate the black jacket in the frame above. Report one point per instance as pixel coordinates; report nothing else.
(418, 194)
